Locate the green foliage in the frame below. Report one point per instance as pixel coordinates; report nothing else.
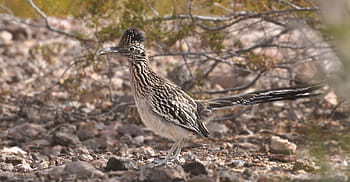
(214, 40)
(94, 8)
(109, 32)
(321, 140)
(123, 14)
(315, 140)
(51, 7)
(255, 62)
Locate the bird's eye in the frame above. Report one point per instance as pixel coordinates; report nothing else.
(131, 49)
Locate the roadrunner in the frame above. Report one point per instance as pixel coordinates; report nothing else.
(169, 111)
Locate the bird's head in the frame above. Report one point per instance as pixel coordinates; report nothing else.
(130, 45)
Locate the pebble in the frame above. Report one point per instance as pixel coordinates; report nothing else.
(85, 157)
(131, 129)
(23, 167)
(217, 129)
(120, 164)
(55, 172)
(236, 163)
(26, 131)
(41, 165)
(228, 176)
(249, 146)
(195, 168)
(5, 38)
(86, 131)
(283, 157)
(14, 159)
(138, 140)
(82, 169)
(114, 164)
(160, 174)
(13, 150)
(282, 146)
(201, 178)
(65, 139)
(305, 165)
(123, 150)
(7, 166)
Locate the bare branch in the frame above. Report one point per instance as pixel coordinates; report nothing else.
(19, 20)
(243, 14)
(47, 23)
(151, 8)
(197, 17)
(235, 88)
(9, 11)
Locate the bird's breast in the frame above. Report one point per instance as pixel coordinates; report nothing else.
(158, 124)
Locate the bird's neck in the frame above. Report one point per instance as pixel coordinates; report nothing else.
(143, 78)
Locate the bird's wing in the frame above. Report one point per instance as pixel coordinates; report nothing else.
(175, 106)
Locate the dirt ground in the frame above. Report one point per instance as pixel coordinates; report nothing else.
(60, 122)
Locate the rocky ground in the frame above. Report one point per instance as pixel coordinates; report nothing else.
(59, 122)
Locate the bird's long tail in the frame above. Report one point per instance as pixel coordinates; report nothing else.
(287, 93)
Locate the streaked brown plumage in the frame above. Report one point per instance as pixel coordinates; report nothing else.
(168, 110)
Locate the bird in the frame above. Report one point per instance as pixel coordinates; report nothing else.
(168, 110)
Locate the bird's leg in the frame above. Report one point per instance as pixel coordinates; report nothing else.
(178, 148)
(173, 152)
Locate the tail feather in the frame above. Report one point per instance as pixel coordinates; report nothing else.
(287, 93)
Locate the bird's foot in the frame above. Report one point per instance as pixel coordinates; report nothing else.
(157, 163)
(167, 161)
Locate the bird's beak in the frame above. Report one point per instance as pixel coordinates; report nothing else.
(112, 50)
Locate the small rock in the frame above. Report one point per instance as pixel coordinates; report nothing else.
(7, 166)
(54, 151)
(39, 144)
(115, 164)
(30, 113)
(5, 38)
(85, 157)
(13, 159)
(7, 176)
(18, 32)
(305, 165)
(123, 150)
(283, 157)
(127, 139)
(236, 163)
(195, 168)
(82, 169)
(55, 172)
(249, 147)
(86, 131)
(282, 146)
(162, 174)
(228, 176)
(23, 167)
(217, 129)
(131, 129)
(201, 178)
(41, 165)
(26, 131)
(138, 140)
(102, 142)
(65, 139)
(13, 150)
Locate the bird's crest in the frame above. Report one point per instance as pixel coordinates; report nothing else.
(130, 37)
